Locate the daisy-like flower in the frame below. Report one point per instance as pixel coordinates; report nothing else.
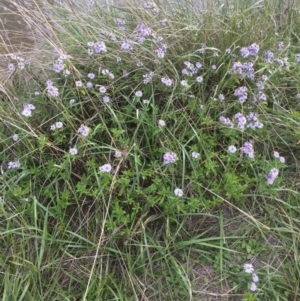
(91, 75)
(184, 83)
(89, 85)
(26, 113)
(138, 94)
(232, 149)
(282, 159)
(78, 83)
(178, 192)
(161, 122)
(199, 79)
(169, 157)
(146, 101)
(195, 155)
(52, 127)
(118, 154)
(167, 81)
(59, 125)
(106, 99)
(13, 164)
(105, 168)
(253, 287)
(11, 67)
(83, 130)
(73, 151)
(102, 89)
(248, 268)
(255, 277)
(15, 137)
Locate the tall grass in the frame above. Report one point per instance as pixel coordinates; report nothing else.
(149, 151)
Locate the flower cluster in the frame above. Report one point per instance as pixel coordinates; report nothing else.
(167, 81)
(244, 69)
(249, 269)
(143, 31)
(241, 93)
(13, 164)
(27, 109)
(247, 149)
(18, 61)
(57, 125)
(147, 77)
(83, 130)
(272, 175)
(249, 121)
(52, 90)
(169, 157)
(281, 159)
(191, 69)
(252, 50)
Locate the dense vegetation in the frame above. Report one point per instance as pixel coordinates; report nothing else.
(149, 152)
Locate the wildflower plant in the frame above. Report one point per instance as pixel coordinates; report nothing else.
(141, 125)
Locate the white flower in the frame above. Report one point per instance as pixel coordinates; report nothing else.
(52, 127)
(178, 192)
(195, 155)
(73, 151)
(253, 287)
(13, 164)
(146, 101)
(72, 101)
(199, 79)
(232, 149)
(83, 130)
(276, 154)
(59, 125)
(248, 268)
(106, 99)
(118, 153)
(26, 112)
(184, 83)
(102, 89)
(105, 168)
(161, 122)
(282, 159)
(255, 278)
(138, 94)
(15, 137)
(78, 83)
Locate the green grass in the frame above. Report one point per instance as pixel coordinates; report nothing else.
(72, 232)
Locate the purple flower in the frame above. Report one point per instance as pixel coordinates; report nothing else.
(272, 175)
(13, 164)
(253, 287)
(100, 47)
(247, 149)
(242, 93)
(169, 157)
(52, 91)
(83, 130)
(268, 56)
(91, 75)
(253, 49)
(147, 77)
(126, 46)
(89, 85)
(199, 79)
(161, 122)
(245, 52)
